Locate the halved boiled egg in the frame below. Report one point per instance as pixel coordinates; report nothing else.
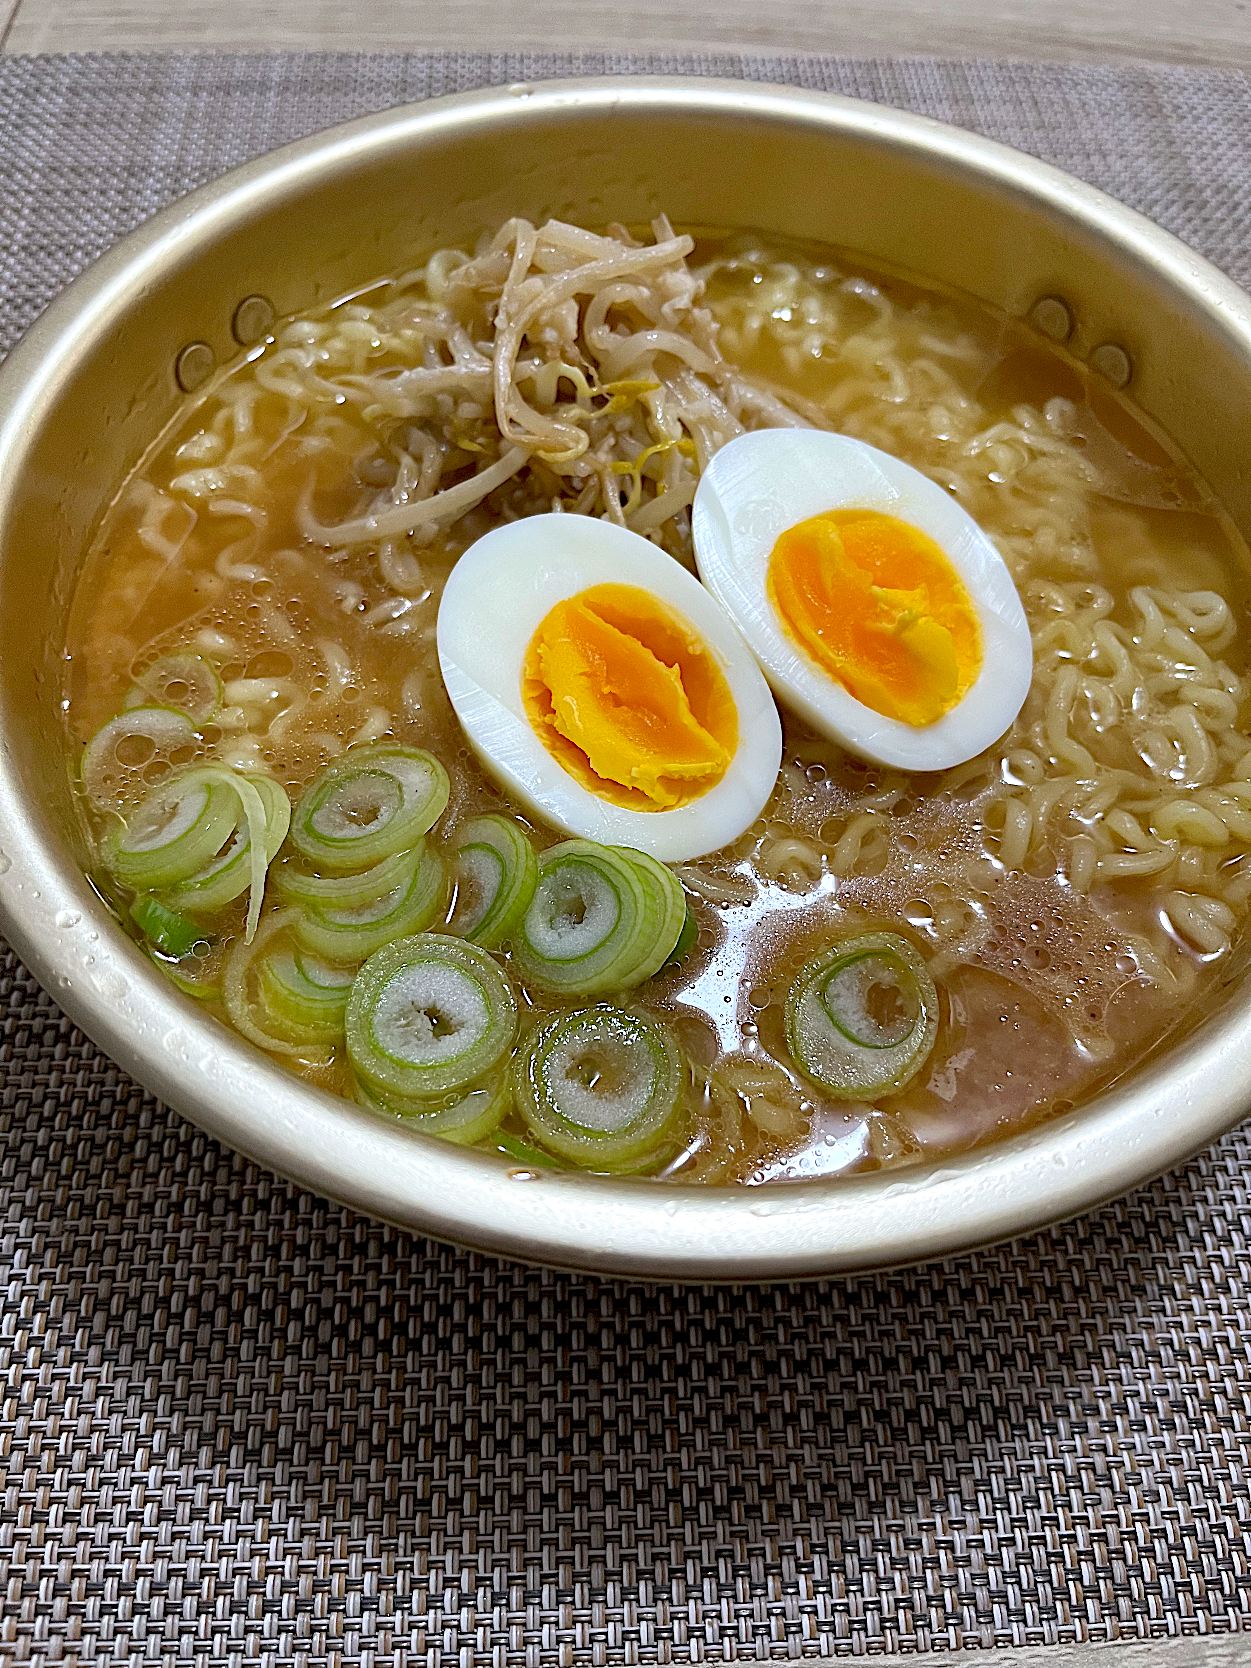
(605, 689)
(879, 610)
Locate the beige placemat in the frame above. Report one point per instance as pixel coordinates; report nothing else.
(240, 1424)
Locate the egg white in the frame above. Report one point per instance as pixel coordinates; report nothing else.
(497, 595)
(765, 482)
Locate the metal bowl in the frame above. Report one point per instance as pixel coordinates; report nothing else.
(98, 376)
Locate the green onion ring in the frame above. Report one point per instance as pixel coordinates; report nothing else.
(293, 883)
(237, 995)
(184, 681)
(593, 925)
(373, 802)
(687, 939)
(465, 1118)
(669, 903)
(179, 828)
(168, 731)
(349, 935)
(232, 871)
(601, 1087)
(427, 1017)
(861, 1019)
(497, 871)
(200, 979)
(521, 1152)
(303, 999)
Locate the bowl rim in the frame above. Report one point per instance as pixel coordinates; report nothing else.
(1132, 1132)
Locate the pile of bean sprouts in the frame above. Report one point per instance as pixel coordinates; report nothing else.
(577, 369)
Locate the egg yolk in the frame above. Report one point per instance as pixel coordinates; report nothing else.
(629, 700)
(878, 606)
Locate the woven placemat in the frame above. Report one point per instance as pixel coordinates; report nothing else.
(240, 1424)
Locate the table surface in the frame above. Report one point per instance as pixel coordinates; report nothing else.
(1169, 31)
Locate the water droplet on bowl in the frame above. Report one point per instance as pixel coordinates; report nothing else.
(523, 1175)
(5, 863)
(67, 918)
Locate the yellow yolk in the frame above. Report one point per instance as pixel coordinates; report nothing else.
(625, 695)
(878, 606)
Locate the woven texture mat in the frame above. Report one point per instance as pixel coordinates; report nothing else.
(239, 1423)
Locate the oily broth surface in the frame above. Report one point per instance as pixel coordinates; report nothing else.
(1035, 960)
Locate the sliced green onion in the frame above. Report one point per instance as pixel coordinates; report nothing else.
(196, 976)
(497, 871)
(593, 924)
(669, 903)
(427, 1017)
(258, 848)
(601, 1087)
(229, 874)
(374, 801)
(512, 1146)
(862, 1019)
(177, 830)
(872, 1001)
(293, 883)
(687, 940)
(303, 998)
(349, 935)
(171, 932)
(185, 681)
(237, 992)
(324, 975)
(103, 773)
(465, 1118)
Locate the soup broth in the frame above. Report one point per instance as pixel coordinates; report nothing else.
(1073, 890)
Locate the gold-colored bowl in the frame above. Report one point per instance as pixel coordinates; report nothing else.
(95, 379)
